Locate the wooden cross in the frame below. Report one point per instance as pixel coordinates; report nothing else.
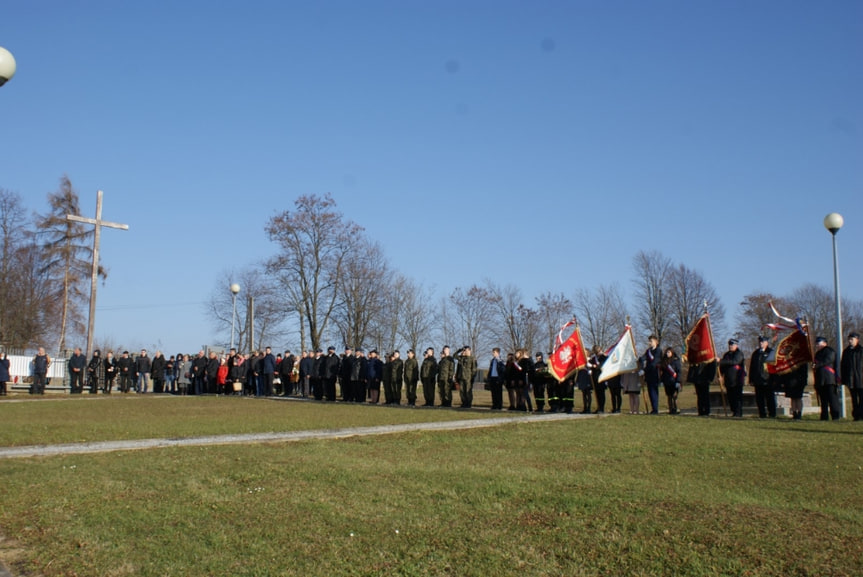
(98, 223)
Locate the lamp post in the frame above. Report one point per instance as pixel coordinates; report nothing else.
(7, 66)
(833, 222)
(235, 288)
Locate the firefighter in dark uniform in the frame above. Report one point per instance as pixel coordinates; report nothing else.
(730, 367)
(852, 374)
(762, 380)
(825, 380)
(540, 378)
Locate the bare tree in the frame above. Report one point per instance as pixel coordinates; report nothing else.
(472, 308)
(12, 238)
(362, 293)
(31, 321)
(270, 317)
(688, 293)
(417, 315)
(68, 257)
(553, 310)
(652, 273)
(601, 314)
(753, 313)
(314, 241)
(512, 324)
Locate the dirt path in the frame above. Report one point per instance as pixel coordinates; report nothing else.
(109, 446)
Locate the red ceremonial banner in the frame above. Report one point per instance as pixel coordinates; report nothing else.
(568, 357)
(791, 352)
(699, 343)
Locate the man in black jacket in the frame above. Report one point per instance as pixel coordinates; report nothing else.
(731, 368)
(762, 380)
(345, 370)
(825, 380)
(77, 364)
(852, 374)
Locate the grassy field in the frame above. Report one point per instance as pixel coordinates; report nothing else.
(81, 419)
(622, 495)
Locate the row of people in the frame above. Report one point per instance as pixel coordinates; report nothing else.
(360, 378)
(732, 369)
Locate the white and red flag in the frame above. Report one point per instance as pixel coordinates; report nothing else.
(569, 355)
(622, 357)
(794, 349)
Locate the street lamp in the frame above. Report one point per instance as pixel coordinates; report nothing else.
(7, 66)
(235, 288)
(833, 222)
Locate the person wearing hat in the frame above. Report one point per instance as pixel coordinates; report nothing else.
(375, 373)
(465, 373)
(428, 376)
(94, 368)
(357, 394)
(394, 373)
(346, 367)
(412, 377)
(445, 377)
(762, 380)
(649, 363)
(331, 373)
(317, 375)
(825, 380)
(732, 371)
(852, 374)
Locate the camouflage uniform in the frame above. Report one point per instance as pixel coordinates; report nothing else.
(445, 374)
(465, 373)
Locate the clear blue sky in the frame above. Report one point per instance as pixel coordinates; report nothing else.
(540, 143)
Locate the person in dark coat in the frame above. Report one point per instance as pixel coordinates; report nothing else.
(212, 373)
(594, 364)
(670, 374)
(762, 380)
(375, 371)
(649, 363)
(268, 372)
(330, 373)
(199, 374)
(732, 371)
(5, 377)
(143, 366)
(826, 386)
(158, 366)
(124, 370)
(307, 367)
(495, 378)
(345, 370)
(701, 375)
(94, 371)
(77, 366)
(359, 376)
(852, 374)
(110, 365)
(541, 381)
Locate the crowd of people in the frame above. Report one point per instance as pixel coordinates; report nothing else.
(521, 379)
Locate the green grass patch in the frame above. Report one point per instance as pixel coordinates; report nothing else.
(71, 420)
(615, 496)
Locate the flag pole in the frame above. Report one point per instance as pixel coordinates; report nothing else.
(718, 372)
